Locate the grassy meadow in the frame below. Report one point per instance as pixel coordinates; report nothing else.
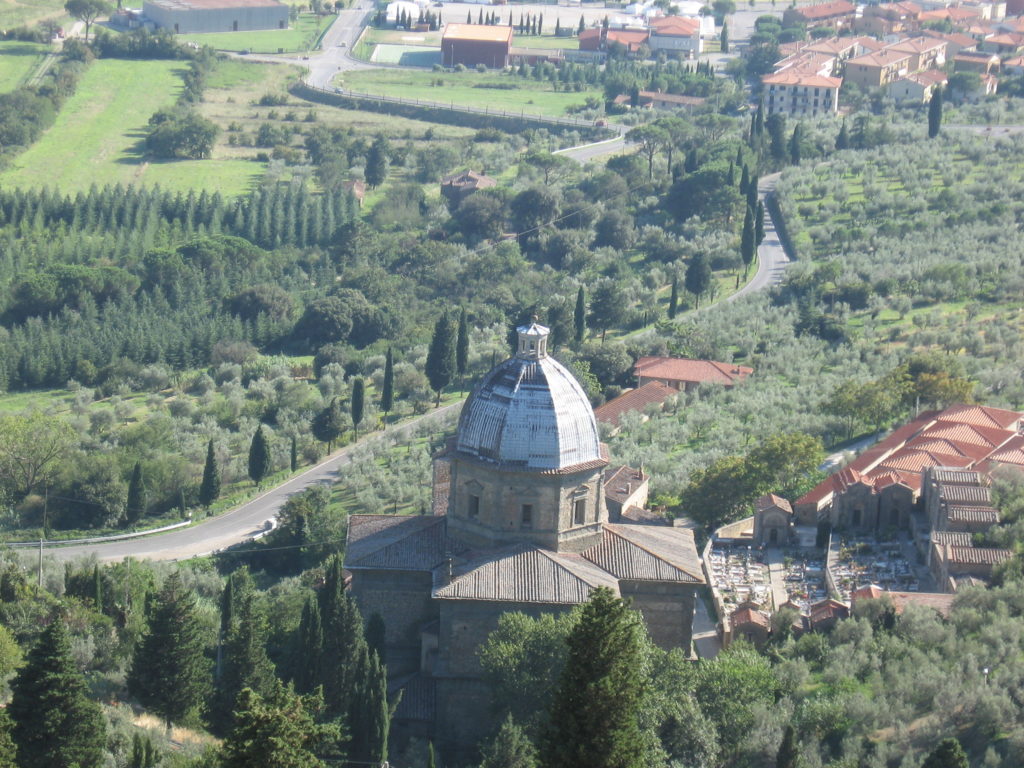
(98, 137)
(497, 90)
(17, 61)
(16, 13)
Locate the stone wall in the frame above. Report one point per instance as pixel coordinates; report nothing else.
(667, 608)
(402, 598)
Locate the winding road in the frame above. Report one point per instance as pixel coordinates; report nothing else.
(242, 523)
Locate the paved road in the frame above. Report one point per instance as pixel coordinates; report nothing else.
(705, 633)
(771, 256)
(239, 524)
(833, 460)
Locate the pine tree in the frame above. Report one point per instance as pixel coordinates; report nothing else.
(948, 754)
(511, 748)
(673, 300)
(169, 673)
(246, 664)
(209, 490)
(462, 348)
(935, 113)
(698, 276)
(558, 27)
(441, 357)
(357, 402)
(387, 390)
(579, 316)
(279, 729)
(581, 26)
(759, 223)
(724, 37)
(135, 506)
(788, 752)
(259, 456)
(595, 716)
(328, 425)
(54, 722)
(748, 241)
(8, 750)
(294, 454)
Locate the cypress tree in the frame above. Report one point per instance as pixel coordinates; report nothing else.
(357, 403)
(209, 490)
(558, 28)
(732, 174)
(673, 300)
(387, 392)
(328, 425)
(259, 456)
(744, 180)
(748, 241)
(759, 223)
(135, 506)
(794, 144)
(935, 113)
(580, 315)
(788, 753)
(724, 37)
(441, 357)
(948, 754)
(462, 348)
(843, 138)
(309, 648)
(377, 159)
(294, 454)
(97, 588)
(581, 26)
(246, 664)
(369, 717)
(343, 641)
(54, 722)
(595, 716)
(752, 192)
(169, 673)
(375, 635)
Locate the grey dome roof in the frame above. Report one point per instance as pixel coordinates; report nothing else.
(529, 413)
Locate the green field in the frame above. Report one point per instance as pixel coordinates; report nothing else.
(99, 133)
(468, 88)
(15, 13)
(17, 60)
(302, 35)
(545, 41)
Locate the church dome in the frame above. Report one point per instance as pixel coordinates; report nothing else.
(529, 413)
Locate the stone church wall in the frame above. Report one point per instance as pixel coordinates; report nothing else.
(667, 609)
(402, 598)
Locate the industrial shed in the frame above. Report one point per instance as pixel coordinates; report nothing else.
(192, 16)
(472, 44)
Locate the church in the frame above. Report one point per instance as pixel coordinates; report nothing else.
(522, 523)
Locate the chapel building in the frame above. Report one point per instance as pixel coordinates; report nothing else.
(521, 523)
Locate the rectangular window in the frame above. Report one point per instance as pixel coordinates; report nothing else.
(527, 516)
(580, 512)
(473, 506)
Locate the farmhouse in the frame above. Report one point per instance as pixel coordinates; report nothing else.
(686, 375)
(191, 16)
(473, 44)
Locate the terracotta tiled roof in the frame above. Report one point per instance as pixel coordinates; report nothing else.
(468, 179)
(398, 542)
(828, 609)
(647, 553)
(525, 574)
(621, 482)
(965, 494)
(770, 500)
(743, 616)
(653, 392)
(482, 33)
(953, 538)
(982, 416)
(826, 10)
(676, 26)
(868, 592)
(977, 555)
(940, 602)
(948, 476)
(981, 515)
(883, 58)
(691, 371)
(641, 516)
(791, 77)
(918, 45)
(833, 45)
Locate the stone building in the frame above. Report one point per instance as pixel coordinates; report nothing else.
(773, 520)
(521, 523)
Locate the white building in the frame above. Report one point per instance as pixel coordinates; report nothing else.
(801, 94)
(191, 16)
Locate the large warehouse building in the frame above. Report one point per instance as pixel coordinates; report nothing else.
(190, 16)
(472, 44)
